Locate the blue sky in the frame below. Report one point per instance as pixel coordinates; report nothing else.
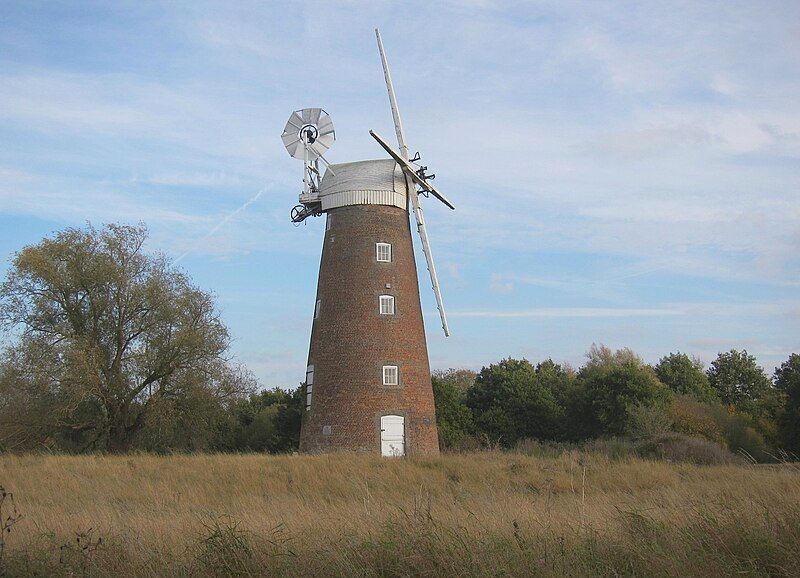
(624, 173)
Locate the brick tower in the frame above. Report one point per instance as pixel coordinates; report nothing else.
(368, 382)
(368, 357)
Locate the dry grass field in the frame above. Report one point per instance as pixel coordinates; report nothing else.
(483, 514)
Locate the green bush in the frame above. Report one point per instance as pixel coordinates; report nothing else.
(649, 421)
(268, 421)
(718, 424)
(787, 380)
(616, 448)
(678, 447)
(695, 419)
(544, 448)
(453, 417)
(740, 436)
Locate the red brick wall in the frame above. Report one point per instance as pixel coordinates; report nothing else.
(351, 341)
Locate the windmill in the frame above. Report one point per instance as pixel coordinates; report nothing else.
(368, 385)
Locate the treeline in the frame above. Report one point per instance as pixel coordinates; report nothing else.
(668, 407)
(677, 408)
(107, 348)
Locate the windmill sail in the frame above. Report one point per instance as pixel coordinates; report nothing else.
(411, 186)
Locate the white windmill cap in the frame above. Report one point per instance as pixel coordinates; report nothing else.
(377, 182)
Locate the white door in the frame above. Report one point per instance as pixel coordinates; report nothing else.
(393, 436)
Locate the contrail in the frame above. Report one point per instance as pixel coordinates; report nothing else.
(219, 225)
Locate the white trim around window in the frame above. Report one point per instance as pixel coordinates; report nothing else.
(386, 304)
(383, 252)
(391, 375)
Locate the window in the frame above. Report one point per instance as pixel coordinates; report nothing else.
(383, 252)
(309, 385)
(316, 308)
(390, 375)
(328, 222)
(386, 304)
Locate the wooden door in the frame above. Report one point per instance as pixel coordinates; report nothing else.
(393, 436)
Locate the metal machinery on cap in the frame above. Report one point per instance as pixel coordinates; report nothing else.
(308, 133)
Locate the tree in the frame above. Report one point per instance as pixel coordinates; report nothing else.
(190, 422)
(27, 419)
(557, 378)
(268, 421)
(613, 386)
(120, 333)
(512, 400)
(742, 384)
(686, 376)
(453, 417)
(787, 380)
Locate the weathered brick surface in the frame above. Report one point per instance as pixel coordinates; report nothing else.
(351, 341)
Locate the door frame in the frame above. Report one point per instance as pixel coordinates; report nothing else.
(378, 429)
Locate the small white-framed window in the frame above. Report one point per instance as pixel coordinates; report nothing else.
(309, 385)
(390, 375)
(386, 304)
(383, 252)
(328, 222)
(316, 308)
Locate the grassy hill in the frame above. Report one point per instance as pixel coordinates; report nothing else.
(467, 515)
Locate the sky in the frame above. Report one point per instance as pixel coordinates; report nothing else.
(623, 173)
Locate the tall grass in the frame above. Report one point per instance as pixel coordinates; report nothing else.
(474, 514)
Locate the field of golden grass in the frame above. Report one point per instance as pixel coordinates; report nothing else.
(481, 514)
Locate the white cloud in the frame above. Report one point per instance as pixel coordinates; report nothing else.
(501, 284)
(215, 179)
(725, 85)
(652, 141)
(559, 312)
